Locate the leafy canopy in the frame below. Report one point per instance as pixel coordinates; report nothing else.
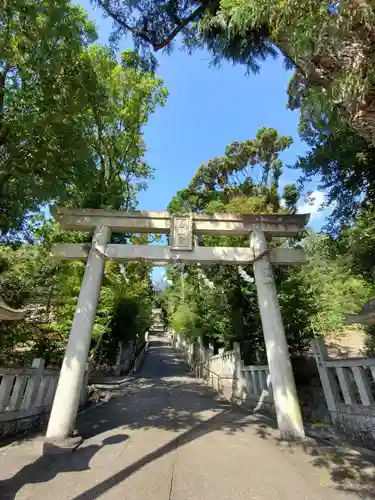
(42, 146)
(71, 128)
(330, 45)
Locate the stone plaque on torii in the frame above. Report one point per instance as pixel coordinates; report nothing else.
(182, 228)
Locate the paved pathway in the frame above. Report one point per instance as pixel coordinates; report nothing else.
(165, 436)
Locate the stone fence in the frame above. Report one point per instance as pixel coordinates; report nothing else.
(348, 384)
(226, 373)
(258, 392)
(26, 396)
(141, 356)
(125, 357)
(349, 389)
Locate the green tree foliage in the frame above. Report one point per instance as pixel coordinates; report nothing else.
(30, 278)
(356, 244)
(41, 93)
(336, 289)
(330, 44)
(219, 303)
(119, 101)
(248, 172)
(71, 116)
(62, 84)
(341, 160)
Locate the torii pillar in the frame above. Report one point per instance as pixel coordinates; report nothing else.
(285, 396)
(65, 406)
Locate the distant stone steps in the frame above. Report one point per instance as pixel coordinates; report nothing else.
(157, 323)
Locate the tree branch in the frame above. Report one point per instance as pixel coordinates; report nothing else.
(278, 45)
(181, 24)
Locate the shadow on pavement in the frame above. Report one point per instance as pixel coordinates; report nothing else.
(184, 399)
(164, 396)
(350, 470)
(214, 423)
(41, 470)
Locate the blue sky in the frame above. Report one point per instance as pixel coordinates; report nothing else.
(207, 109)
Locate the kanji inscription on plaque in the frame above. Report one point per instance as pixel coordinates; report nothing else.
(182, 232)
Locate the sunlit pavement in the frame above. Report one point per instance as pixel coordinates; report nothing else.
(165, 436)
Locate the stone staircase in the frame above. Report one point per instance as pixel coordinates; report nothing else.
(157, 323)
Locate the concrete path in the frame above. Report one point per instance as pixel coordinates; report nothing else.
(165, 436)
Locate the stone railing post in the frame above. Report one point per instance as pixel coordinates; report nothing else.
(33, 384)
(85, 386)
(119, 358)
(240, 381)
(326, 378)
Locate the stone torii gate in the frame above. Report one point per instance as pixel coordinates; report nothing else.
(182, 229)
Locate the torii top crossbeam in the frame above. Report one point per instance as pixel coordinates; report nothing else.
(161, 222)
(181, 228)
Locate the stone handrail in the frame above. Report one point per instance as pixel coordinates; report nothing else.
(345, 381)
(349, 362)
(223, 355)
(255, 368)
(125, 357)
(258, 390)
